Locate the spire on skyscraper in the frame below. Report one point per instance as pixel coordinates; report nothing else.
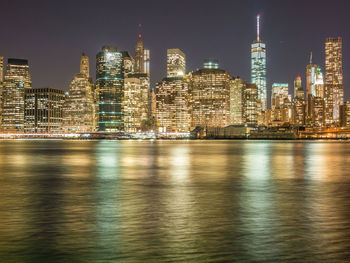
(258, 27)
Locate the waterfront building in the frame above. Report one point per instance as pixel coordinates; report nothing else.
(334, 90)
(1, 83)
(43, 110)
(210, 90)
(298, 88)
(176, 63)
(110, 89)
(136, 103)
(173, 105)
(139, 56)
(298, 103)
(345, 114)
(317, 112)
(79, 107)
(17, 80)
(250, 104)
(258, 66)
(281, 104)
(237, 87)
(147, 61)
(128, 63)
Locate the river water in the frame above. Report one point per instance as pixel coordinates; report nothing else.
(174, 201)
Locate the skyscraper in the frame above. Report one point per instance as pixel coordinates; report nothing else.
(139, 56)
(172, 105)
(17, 80)
(110, 89)
(1, 83)
(84, 65)
(136, 103)
(258, 66)
(79, 107)
(298, 88)
(1, 69)
(334, 90)
(210, 89)
(176, 63)
(43, 110)
(298, 103)
(237, 87)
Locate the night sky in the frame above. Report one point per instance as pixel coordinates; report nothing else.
(53, 34)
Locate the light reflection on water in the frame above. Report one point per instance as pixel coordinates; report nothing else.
(177, 201)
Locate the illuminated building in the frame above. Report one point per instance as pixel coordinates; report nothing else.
(146, 61)
(314, 86)
(17, 80)
(175, 63)
(250, 104)
(85, 65)
(237, 87)
(142, 58)
(109, 89)
(345, 114)
(128, 63)
(211, 64)
(172, 105)
(43, 110)
(258, 66)
(79, 107)
(281, 106)
(1, 82)
(136, 104)
(334, 90)
(298, 103)
(210, 89)
(317, 112)
(1, 69)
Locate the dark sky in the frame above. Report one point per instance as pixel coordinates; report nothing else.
(52, 34)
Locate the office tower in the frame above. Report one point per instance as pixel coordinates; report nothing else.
(79, 107)
(175, 63)
(147, 61)
(172, 105)
(139, 56)
(136, 104)
(128, 63)
(250, 104)
(314, 87)
(109, 89)
(281, 105)
(43, 110)
(345, 114)
(298, 89)
(258, 66)
(1, 69)
(210, 89)
(17, 80)
(334, 90)
(319, 84)
(84, 65)
(298, 103)
(279, 94)
(317, 112)
(237, 87)
(1, 83)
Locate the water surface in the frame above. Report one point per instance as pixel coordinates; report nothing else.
(174, 201)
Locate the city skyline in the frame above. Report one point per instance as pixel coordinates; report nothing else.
(232, 52)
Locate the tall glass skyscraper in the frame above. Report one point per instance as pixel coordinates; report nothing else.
(258, 66)
(110, 89)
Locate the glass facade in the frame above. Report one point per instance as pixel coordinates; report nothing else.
(110, 89)
(258, 70)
